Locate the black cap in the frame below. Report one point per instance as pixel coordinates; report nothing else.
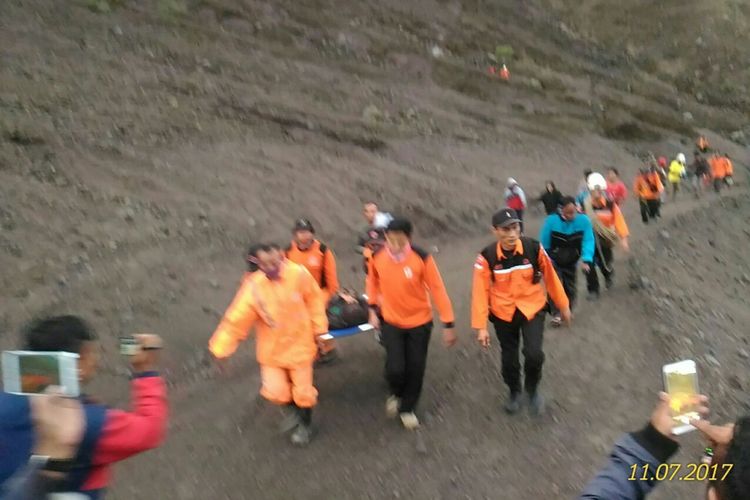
(401, 225)
(303, 225)
(505, 218)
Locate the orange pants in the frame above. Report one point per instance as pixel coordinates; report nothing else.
(285, 385)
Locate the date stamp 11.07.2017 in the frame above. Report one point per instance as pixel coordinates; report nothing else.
(680, 472)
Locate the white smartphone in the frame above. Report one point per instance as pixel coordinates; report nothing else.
(31, 372)
(681, 383)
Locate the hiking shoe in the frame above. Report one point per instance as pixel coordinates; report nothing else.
(609, 282)
(290, 421)
(536, 403)
(391, 406)
(556, 321)
(301, 435)
(409, 420)
(513, 404)
(592, 296)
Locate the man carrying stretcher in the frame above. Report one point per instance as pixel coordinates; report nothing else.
(285, 304)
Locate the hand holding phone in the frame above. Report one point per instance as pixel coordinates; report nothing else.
(142, 350)
(681, 384)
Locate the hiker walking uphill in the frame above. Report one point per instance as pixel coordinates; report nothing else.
(648, 189)
(721, 171)
(288, 309)
(609, 229)
(568, 238)
(319, 260)
(399, 282)
(677, 172)
(551, 198)
(616, 189)
(701, 172)
(515, 198)
(508, 291)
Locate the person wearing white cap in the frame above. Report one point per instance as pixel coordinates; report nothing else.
(515, 198)
(676, 173)
(609, 228)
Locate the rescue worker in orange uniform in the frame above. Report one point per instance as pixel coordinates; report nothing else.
(508, 291)
(319, 260)
(286, 307)
(722, 170)
(648, 188)
(609, 230)
(718, 170)
(400, 281)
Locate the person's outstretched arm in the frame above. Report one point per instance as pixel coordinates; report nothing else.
(435, 284)
(235, 324)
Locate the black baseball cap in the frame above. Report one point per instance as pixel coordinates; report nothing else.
(303, 225)
(400, 224)
(505, 218)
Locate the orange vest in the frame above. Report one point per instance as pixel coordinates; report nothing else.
(320, 262)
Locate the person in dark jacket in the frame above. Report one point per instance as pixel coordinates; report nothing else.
(568, 237)
(551, 198)
(700, 171)
(111, 435)
(622, 477)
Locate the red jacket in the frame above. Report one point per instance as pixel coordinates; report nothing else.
(125, 434)
(617, 192)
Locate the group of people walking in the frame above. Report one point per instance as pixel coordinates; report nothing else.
(517, 280)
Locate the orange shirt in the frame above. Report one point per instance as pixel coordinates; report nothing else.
(726, 166)
(288, 314)
(512, 288)
(403, 289)
(610, 216)
(318, 263)
(648, 186)
(718, 167)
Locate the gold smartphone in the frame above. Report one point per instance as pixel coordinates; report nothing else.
(681, 383)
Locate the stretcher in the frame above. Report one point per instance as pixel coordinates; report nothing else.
(348, 332)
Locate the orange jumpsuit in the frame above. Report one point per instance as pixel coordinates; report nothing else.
(288, 314)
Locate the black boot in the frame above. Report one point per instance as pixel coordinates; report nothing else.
(303, 432)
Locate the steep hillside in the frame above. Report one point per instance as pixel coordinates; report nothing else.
(144, 143)
(701, 46)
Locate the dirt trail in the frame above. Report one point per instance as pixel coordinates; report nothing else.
(600, 378)
(143, 147)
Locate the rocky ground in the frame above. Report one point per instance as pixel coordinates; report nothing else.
(143, 144)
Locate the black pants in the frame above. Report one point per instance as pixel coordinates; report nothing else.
(509, 334)
(405, 361)
(718, 182)
(650, 209)
(569, 278)
(604, 260)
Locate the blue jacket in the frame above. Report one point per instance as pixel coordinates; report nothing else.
(568, 241)
(645, 448)
(16, 433)
(17, 440)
